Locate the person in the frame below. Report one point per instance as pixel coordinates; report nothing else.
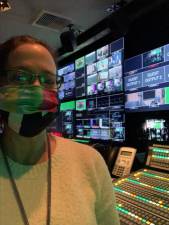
(44, 179)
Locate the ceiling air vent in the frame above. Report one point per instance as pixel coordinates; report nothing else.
(51, 21)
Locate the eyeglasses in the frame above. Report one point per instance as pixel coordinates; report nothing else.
(24, 77)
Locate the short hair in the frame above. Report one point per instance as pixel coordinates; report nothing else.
(7, 47)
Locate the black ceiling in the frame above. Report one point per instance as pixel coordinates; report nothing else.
(144, 23)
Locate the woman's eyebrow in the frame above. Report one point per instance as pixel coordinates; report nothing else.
(31, 70)
(22, 68)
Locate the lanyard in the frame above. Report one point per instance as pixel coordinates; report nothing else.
(16, 192)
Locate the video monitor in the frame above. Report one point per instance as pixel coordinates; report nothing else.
(91, 69)
(90, 58)
(80, 63)
(69, 77)
(115, 59)
(102, 65)
(94, 122)
(92, 79)
(117, 45)
(117, 121)
(155, 130)
(67, 90)
(83, 133)
(67, 106)
(91, 104)
(105, 134)
(118, 133)
(68, 116)
(101, 87)
(81, 105)
(67, 69)
(80, 92)
(68, 130)
(103, 52)
(146, 81)
(92, 89)
(103, 75)
(103, 102)
(115, 72)
(153, 57)
(95, 134)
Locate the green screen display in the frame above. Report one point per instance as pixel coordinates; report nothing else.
(67, 106)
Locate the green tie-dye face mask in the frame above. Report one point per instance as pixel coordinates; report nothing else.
(27, 99)
(28, 109)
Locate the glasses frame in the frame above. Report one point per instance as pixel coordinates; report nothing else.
(34, 75)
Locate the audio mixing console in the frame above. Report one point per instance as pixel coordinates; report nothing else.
(143, 197)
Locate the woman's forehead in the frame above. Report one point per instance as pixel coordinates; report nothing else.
(32, 55)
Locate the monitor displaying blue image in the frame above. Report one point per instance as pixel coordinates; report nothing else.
(67, 90)
(146, 81)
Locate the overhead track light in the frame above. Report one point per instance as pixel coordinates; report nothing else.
(4, 5)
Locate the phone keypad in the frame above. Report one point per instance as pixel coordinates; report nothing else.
(119, 171)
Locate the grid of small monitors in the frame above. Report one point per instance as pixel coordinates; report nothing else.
(96, 80)
(146, 81)
(100, 72)
(67, 110)
(100, 118)
(97, 73)
(67, 90)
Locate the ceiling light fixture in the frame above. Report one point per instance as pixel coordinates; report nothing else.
(117, 4)
(4, 5)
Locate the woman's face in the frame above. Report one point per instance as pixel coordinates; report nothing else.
(33, 57)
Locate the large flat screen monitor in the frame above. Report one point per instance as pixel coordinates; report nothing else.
(146, 81)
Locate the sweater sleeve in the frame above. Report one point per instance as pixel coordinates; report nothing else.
(106, 204)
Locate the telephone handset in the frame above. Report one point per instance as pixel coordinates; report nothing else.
(124, 161)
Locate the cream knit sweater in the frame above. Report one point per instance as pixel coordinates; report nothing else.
(81, 189)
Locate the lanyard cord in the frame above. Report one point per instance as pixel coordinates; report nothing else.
(16, 192)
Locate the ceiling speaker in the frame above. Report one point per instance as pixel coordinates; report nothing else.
(68, 40)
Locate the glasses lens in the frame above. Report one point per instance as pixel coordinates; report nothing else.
(48, 80)
(19, 77)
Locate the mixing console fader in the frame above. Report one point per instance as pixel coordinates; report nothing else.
(143, 197)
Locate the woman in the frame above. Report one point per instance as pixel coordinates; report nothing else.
(44, 179)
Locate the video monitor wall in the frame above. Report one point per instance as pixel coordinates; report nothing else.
(95, 83)
(98, 73)
(146, 81)
(67, 90)
(101, 118)
(104, 70)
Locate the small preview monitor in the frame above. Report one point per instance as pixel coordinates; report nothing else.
(90, 58)
(80, 63)
(103, 52)
(81, 105)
